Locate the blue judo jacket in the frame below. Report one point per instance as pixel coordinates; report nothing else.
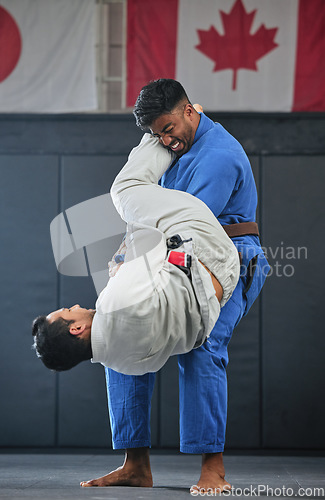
(217, 171)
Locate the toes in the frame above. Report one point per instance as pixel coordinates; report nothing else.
(204, 490)
(87, 484)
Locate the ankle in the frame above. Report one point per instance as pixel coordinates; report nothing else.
(139, 457)
(213, 462)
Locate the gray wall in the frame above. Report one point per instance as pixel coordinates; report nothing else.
(276, 369)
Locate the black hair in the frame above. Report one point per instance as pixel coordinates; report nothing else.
(157, 98)
(56, 346)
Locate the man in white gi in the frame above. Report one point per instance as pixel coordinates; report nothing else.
(151, 309)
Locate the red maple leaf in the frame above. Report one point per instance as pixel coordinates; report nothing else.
(237, 48)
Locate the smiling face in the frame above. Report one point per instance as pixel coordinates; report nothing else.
(81, 319)
(176, 130)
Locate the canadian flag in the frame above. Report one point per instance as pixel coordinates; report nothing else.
(47, 55)
(231, 55)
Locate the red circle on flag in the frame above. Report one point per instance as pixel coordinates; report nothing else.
(10, 44)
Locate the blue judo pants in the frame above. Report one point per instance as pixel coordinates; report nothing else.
(202, 391)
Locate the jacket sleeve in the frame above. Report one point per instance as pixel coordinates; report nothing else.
(146, 164)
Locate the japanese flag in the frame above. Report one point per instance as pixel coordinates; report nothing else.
(231, 55)
(47, 55)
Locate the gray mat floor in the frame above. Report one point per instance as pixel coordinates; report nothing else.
(57, 476)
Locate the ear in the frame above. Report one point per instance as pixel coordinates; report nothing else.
(77, 328)
(189, 111)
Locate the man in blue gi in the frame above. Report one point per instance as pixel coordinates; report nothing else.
(213, 166)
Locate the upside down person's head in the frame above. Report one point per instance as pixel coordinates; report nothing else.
(62, 338)
(163, 107)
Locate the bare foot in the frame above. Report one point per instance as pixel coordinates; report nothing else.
(135, 471)
(212, 479)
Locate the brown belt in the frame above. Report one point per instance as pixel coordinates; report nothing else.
(241, 229)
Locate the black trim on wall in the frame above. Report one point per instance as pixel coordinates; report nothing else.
(259, 133)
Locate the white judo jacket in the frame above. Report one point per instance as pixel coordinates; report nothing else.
(150, 310)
